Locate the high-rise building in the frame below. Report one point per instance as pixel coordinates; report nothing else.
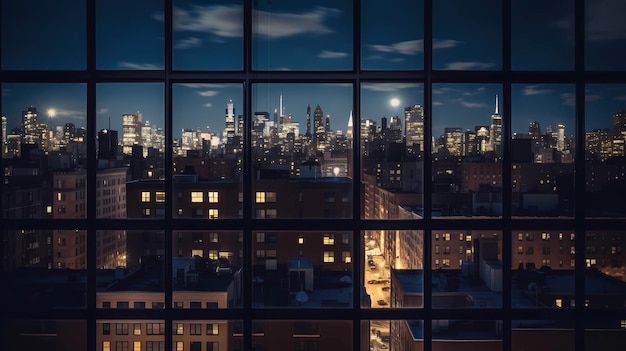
(495, 130)
(560, 137)
(229, 129)
(454, 140)
(308, 120)
(131, 131)
(30, 126)
(619, 122)
(414, 127)
(107, 144)
(534, 130)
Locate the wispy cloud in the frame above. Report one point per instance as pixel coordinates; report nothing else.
(530, 90)
(390, 87)
(332, 54)
(621, 98)
(279, 25)
(71, 114)
(102, 111)
(226, 21)
(569, 99)
(208, 93)
(208, 104)
(471, 104)
(138, 66)
(592, 97)
(467, 65)
(437, 103)
(202, 85)
(412, 47)
(188, 43)
(605, 20)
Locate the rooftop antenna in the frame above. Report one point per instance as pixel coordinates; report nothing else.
(497, 113)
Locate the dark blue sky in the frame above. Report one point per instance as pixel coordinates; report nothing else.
(295, 35)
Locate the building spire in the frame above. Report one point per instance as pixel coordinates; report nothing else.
(497, 109)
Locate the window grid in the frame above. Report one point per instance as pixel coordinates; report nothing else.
(578, 224)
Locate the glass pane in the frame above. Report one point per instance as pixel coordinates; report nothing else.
(131, 145)
(295, 35)
(391, 148)
(45, 268)
(302, 163)
(392, 334)
(605, 150)
(605, 334)
(543, 268)
(542, 40)
(208, 151)
(467, 35)
(392, 47)
(393, 267)
(467, 269)
(605, 35)
(44, 35)
(124, 26)
(302, 335)
(605, 277)
(543, 150)
(542, 335)
(302, 269)
(482, 335)
(200, 335)
(467, 150)
(208, 35)
(130, 334)
(44, 133)
(207, 268)
(25, 334)
(136, 280)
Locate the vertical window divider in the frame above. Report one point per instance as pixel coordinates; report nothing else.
(169, 175)
(506, 177)
(247, 207)
(427, 175)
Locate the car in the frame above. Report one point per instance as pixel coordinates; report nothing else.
(381, 302)
(386, 288)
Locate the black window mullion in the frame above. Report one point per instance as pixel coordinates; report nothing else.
(247, 188)
(427, 176)
(169, 176)
(357, 251)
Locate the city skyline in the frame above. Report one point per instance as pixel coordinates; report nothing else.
(201, 105)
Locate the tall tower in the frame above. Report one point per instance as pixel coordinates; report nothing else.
(495, 130)
(619, 122)
(229, 129)
(414, 127)
(318, 119)
(131, 131)
(30, 124)
(327, 128)
(534, 130)
(560, 137)
(350, 129)
(308, 120)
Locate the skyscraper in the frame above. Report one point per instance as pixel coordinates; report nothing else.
(619, 122)
(495, 130)
(560, 137)
(414, 127)
(131, 131)
(308, 120)
(30, 126)
(229, 129)
(107, 144)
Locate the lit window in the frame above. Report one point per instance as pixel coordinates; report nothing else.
(213, 213)
(329, 256)
(213, 237)
(146, 212)
(145, 196)
(137, 329)
(446, 236)
(346, 257)
(270, 196)
(179, 346)
(180, 329)
(106, 346)
(260, 237)
(137, 346)
(329, 239)
(159, 196)
(260, 197)
(213, 197)
(197, 196)
(212, 329)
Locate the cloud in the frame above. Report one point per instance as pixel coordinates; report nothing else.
(569, 99)
(472, 104)
(437, 103)
(208, 93)
(280, 25)
(621, 98)
(534, 90)
(592, 97)
(465, 65)
(605, 20)
(208, 104)
(226, 21)
(388, 87)
(139, 66)
(102, 111)
(202, 85)
(5, 91)
(220, 20)
(71, 114)
(412, 47)
(188, 43)
(332, 54)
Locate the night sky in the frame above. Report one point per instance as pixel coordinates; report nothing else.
(301, 35)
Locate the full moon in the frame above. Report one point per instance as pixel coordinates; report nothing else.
(395, 102)
(52, 112)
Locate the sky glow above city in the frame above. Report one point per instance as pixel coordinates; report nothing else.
(291, 35)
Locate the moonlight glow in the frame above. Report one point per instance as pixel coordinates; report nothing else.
(52, 112)
(395, 102)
